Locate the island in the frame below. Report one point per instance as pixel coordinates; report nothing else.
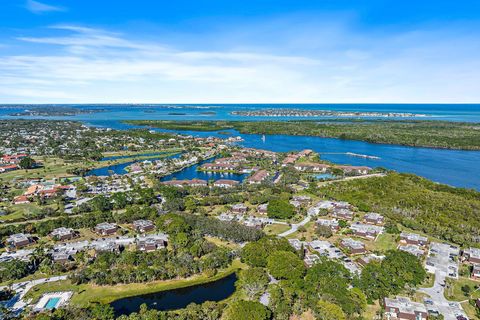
(416, 133)
(54, 110)
(282, 112)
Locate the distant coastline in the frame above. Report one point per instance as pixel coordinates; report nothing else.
(322, 113)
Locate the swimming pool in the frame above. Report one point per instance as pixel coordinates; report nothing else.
(52, 303)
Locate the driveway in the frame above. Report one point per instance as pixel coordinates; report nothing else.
(295, 227)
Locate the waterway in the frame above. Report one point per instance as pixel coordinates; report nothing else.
(177, 298)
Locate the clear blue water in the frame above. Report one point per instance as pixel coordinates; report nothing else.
(130, 156)
(192, 173)
(453, 167)
(52, 303)
(178, 298)
(324, 176)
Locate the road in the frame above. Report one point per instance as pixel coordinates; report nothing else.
(447, 308)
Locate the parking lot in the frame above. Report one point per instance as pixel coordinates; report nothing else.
(443, 257)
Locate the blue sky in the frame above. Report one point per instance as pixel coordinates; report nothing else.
(203, 51)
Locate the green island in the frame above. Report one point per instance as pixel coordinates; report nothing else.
(431, 134)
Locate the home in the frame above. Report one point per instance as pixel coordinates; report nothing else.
(412, 249)
(258, 177)
(18, 240)
(413, 238)
(61, 256)
(311, 167)
(219, 167)
(366, 230)
(62, 233)
(239, 208)
(262, 208)
(373, 218)
(8, 168)
(152, 242)
(296, 244)
(332, 224)
(21, 200)
(476, 271)
(225, 183)
(106, 228)
(353, 246)
(402, 308)
(363, 261)
(344, 214)
(354, 169)
(472, 255)
(143, 226)
(311, 259)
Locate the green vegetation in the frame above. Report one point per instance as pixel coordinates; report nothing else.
(419, 204)
(247, 310)
(280, 209)
(436, 134)
(285, 265)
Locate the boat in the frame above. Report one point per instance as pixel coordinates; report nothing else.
(362, 156)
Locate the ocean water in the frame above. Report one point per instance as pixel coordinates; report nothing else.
(453, 167)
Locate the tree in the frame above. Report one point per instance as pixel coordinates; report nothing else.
(323, 231)
(253, 282)
(329, 311)
(256, 253)
(285, 265)
(280, 209)
(102, 312)
(101, 203)
(247, 310)
(26, 163)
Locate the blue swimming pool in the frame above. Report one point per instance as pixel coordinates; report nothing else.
(52, 303)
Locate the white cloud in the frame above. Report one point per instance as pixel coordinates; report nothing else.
(39, 7)
(90, 65)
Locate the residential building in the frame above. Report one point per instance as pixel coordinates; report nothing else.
(366, 230)
(413, 238)
(332, 223)
(18, 240)
(262, 208)
(239, 208)
(374, 218)
(225, 183)
(152, 242)
(403, 308)
(344, 214)
(62, 233)
(106, 228)
(472, 255)
(476, 271)
(258, 177)
(143, 226)
(413, 249)
(353, 246)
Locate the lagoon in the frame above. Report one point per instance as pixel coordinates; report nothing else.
(178, 298)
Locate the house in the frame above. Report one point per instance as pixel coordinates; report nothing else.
(239, 208)
(333, 224)
(312, 167)
(262, 208)
(403, 308)
(225, 183)
(258, 177)
(296, 244)
(152, 242)
(21, 199)
(18, 240)
(219, 167)
(7, 168)
(472, 255)
(143, 226)
(62, 233)
(353, 246)
(106, 228)
(412, 249)
(354, 169)
(344, 214)
(476, 271)
(373, 218)
(363, 261)
(61, 256)
(186, 183)
(413, 238)
(311, 259)
(366, 230)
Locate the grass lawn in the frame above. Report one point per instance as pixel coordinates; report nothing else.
(222, 243)
(455, 292)
(87, 293)
(384, 242)
(470, 310)
(274, 229)
(371, 311)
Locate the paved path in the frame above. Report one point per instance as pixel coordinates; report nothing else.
(295, 227)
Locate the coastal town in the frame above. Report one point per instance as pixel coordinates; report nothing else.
(60, 226)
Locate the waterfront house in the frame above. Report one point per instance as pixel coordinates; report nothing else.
(106, 228)
(354, 169)
(403, 308)
(143, 226)
(312, 167)
(225, 183)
